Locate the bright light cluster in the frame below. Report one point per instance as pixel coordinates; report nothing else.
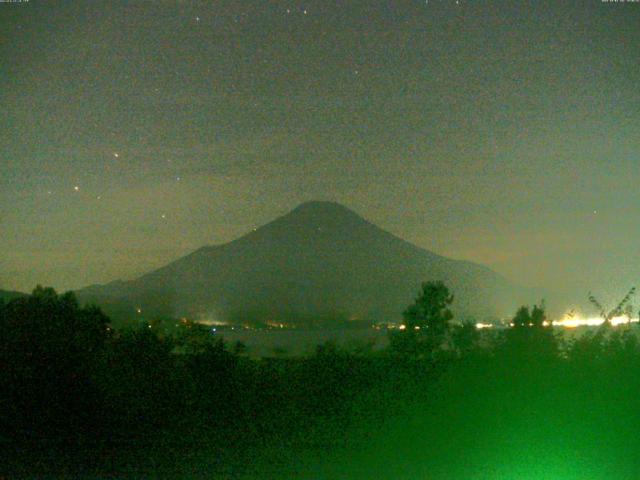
(480, 326)
(574, 322)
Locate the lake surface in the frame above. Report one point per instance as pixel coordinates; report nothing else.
(299, 342)
(284, 342)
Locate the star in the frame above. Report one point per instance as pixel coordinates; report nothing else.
(76, 188)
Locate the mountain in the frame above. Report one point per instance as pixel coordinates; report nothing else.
(318, 263)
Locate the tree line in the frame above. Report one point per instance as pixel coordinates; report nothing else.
(77, 395)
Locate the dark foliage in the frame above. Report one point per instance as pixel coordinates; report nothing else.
(445, 401)
(48, 348)
(426, 325)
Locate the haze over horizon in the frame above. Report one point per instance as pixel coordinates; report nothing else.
(501, 133)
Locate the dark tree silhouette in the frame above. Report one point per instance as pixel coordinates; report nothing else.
(522, 318)
(534, 318)
(531, 336)
(430, 311)
(48, 347)
(426, 322)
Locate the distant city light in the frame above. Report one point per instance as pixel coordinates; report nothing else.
(480, 326)
(573, 322)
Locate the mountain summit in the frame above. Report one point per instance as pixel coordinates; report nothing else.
(319, 263)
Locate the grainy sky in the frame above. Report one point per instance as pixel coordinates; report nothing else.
(504, 132)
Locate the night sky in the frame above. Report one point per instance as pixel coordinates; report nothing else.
(506, 133)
